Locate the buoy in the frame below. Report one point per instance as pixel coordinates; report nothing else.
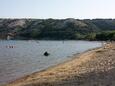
(46, 54)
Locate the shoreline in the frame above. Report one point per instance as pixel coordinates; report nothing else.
(48, 77)
(68, 59)
(75, 56)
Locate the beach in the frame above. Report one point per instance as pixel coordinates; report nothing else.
(95, 67)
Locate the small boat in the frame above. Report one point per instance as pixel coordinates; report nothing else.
(46, 54)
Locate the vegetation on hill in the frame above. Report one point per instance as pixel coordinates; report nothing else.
(55, 29)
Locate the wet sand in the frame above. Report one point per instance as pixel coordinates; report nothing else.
(92, 68)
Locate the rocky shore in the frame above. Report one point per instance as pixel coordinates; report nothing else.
(92, 68)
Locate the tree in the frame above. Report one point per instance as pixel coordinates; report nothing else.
(91, 36)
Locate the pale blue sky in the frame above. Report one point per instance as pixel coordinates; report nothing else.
(81, 9)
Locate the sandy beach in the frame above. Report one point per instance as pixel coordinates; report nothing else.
(92, 68)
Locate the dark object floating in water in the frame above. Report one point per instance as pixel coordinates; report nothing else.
(46, 54)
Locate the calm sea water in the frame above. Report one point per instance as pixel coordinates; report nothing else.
(27, 57)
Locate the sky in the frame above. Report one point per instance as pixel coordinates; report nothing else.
(57, 9)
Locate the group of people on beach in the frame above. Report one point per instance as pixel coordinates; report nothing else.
(107, 44)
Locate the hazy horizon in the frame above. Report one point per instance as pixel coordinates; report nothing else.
(60, 18)
(57, 9)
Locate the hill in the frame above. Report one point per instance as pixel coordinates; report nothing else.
(56, 29)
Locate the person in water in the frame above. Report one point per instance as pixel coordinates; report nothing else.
(46, 54)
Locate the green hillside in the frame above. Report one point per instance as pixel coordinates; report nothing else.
(58, 29)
